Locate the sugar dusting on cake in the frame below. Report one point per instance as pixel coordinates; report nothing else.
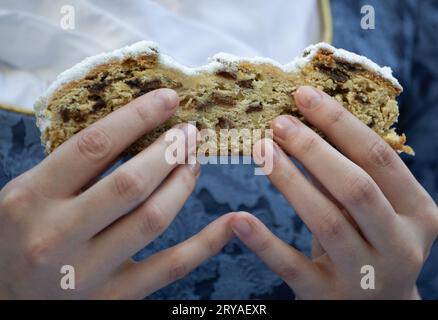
(347, 56)
(309, 53)
(218, 62)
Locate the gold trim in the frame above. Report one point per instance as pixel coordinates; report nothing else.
(327, 22)
(327, 36)
(16, 109)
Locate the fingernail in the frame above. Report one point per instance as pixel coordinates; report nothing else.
(195, 168)
(241, 227)
(308, 97)
(284, 126)
(168, 98)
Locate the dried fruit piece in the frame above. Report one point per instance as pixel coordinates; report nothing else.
(226, 74)
(255, 106)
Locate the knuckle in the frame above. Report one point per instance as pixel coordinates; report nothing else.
(359, 189)
(213, 245)
(13, 198)
(93, 144)
(380, 155)
(263, 245)
(177, 270)
(288, 273)
(288, 174)
(143, 114)
(307, 144)
(128, 186)
(153, 220)
(37, 251)
(336, 115)
(330, 226)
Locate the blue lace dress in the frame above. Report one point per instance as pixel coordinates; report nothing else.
(405, 39)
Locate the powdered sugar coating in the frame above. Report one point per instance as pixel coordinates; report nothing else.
(217, 62)
(310, 51)
(81, 69)
(341, 54)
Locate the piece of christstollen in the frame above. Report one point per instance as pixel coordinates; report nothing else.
(227, 93)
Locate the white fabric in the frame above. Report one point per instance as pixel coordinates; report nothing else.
(34, 48)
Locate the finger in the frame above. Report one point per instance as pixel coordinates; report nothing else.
(364, 147)
(341, 241)
(129, 185)
(346, 181)
(135, 231)
(288, 263)
(68, 168)
(143, 278)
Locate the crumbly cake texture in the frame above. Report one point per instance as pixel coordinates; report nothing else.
(229, 92)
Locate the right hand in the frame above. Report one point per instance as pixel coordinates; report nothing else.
(367, 209)
(48, 220)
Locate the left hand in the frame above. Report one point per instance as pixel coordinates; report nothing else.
(53, 216)
(370, 210)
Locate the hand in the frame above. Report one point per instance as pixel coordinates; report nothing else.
(48, 220)
(370, 211)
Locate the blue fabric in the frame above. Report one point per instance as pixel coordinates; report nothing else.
(405, 39)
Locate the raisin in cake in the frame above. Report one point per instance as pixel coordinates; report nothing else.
(228, 92)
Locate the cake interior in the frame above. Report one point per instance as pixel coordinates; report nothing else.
(241, 95)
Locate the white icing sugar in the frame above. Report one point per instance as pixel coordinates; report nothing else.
(384, 72)
(217, 62)
(81, 69)
(231, 60)
(300, 62)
